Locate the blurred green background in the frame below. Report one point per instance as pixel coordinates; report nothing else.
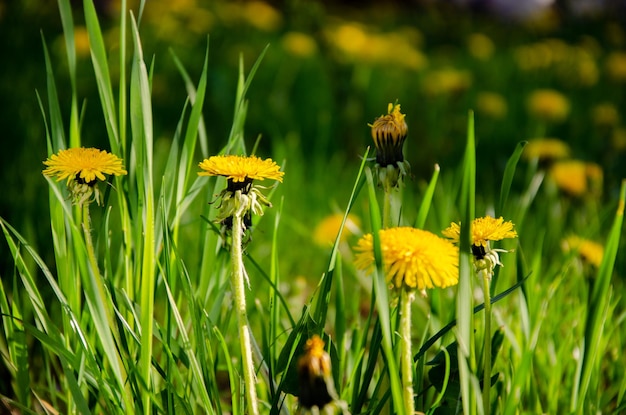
(330, 69)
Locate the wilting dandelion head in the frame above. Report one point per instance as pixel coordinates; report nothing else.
(589, 251)
(314, 372)
(83, 167)
(412, 258)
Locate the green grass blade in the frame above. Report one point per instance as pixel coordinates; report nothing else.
(464, 334)
(507, 179)
(103, 77)
(420, 221)
(598, 303)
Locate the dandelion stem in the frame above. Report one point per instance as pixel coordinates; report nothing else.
(387, 208)
(406, 354)
(486, 274)
(238, 284)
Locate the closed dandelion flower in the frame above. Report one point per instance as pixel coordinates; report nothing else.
(483, 231)
(590, 252)
(316, 382)
(83, 167)
(240, 196)
(389, 132)
(412, 258)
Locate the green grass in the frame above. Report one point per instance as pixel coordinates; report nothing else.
(128, 308)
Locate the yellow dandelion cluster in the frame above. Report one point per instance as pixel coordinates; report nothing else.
(412, 258)
(83, 164)
(483, 230)
(241, 168)
(589, 251)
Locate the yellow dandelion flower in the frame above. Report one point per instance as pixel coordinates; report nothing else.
(480, 46)
(241, 168)
(491, 104)
(389, 132)
(616, 66)
(570, 176)
(446, 82)
(484, 229)
(299, 44)
(412, 258)
(326, 231)
(548, 105)
(589, 251)
(546, 149)
(83, 165)
(605, 115)
(314, 372)
(262, 15)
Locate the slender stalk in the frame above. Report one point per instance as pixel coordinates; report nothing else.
(387, 211)
(237, 281)
(406, 354)
(487, 346)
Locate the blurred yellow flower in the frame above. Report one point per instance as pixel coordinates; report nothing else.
(446, 81)
(326, 231)
(241, 168)
(299, 44)
(480, 46)
(616, 66)
(548, 105)
(491, 104)
(618, 139)
(484, 229)
(605, 115)
(412, 258)
(546, 149)
(577, 178)
(317, 389)
(81, 41)
(261, 15)
(589, 251)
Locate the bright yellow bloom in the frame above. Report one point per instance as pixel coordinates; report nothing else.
(241, 168)
(412, 258)
(83, 165)
(548, 105)
(326, 231)
(589, 251)
(546, 149)
(484, 229)
(577, 178)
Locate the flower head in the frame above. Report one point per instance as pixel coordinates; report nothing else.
(546, 150)
(412, 258)
(240, 197)
(326, 231)
(483, 231)
(241, 168)
(577, 178)
(316, 382)
(389, 132)
(548, 105)
(83, 167)
(590, 252)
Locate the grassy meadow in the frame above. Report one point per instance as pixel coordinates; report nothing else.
(169, 286)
